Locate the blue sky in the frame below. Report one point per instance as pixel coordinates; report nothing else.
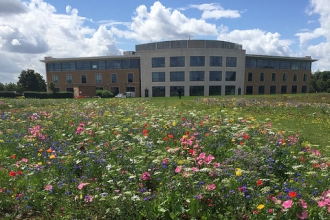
(33, 29)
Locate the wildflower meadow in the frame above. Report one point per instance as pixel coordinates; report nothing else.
(206, 158)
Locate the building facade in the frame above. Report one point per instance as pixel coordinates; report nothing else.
(197, 67)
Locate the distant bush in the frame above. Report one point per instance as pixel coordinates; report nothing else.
(7, 94)
(45, 95)
(104, 93)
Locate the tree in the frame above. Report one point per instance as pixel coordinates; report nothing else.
(2, 87)
(51, 86)
(31, 81)
(10, 87)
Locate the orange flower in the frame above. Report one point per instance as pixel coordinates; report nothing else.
(13, 156)
(259, 182)
(315, 165)
(170, 136)
(49, 150)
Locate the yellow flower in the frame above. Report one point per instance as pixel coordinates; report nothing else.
(52, 156)
(261, 206)
(1, 141)
(39, 154)
(173, 123)
(238, 172)
(39, 163)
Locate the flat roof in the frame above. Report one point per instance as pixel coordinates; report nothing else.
(306, 58)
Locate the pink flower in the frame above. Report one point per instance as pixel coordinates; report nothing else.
(146, 176)
(287, 204)
(210, 187)
(201, 156)
(178, 169)
(24, 160)
(48, 187)
(81, 185)
(88, 198)
(304, 215)
(321, 203)
(303, 203)
(208, 159)
(195, 169)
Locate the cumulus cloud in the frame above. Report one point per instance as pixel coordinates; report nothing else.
(10, 7)
(215, 11)
(163, 23)
(256, 41)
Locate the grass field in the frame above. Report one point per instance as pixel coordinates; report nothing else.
(237, 157)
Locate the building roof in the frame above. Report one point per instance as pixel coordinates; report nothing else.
(306, 58)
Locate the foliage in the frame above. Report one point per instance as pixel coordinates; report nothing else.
(31, 81)
(104, 93)
(131, 159)
(7, 94)
(2, 87)
(45, 95)
(321, 81)
(51, 86)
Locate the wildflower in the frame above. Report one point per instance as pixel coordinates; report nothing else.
(261, 206)
(259, 182)
(292, 194)
(24, 160)
(304, 215)
(287, 204)
(48, 187)
(13, 156)
(12, 173)
(19, 172)
(178, 169)
(146, 176)
(211, 187)
(81, 185)
(52, 156)
(238, 172)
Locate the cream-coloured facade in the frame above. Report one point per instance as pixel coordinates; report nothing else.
(198, 67)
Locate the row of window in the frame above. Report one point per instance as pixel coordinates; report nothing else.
(284, 77)
(277, 64)
(179, 76)
(180, 61)
(113, 90)
(159, 91)
(94, 65)
(98, 78)
(272, 89)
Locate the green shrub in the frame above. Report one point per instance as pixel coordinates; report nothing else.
(7, 94)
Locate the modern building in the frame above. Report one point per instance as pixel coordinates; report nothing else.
(198, 67)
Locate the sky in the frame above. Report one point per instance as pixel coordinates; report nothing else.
(33, 29)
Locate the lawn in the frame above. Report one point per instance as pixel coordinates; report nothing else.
(239, 157)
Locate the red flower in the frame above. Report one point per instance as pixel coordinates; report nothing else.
(12, 173)
(19, 172)
(246, 136)
(259, 182)
(170, 136)
(292, 194)
(13, 156)
(315, 165)
(165, 138)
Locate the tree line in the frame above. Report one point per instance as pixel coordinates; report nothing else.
(29, 80)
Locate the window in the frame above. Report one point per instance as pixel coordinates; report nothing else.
(196, 90)
(158, 62)
(231, 61)
(250, 63)
(305, 77)
(158, 91)
(303, 89)
(114, 78)
(230, 76)
(249, 90)
(262, 77)
(114, 64)
(294, 89)
(249, 76)
(283, 89)
(261, 90)
(214, 90)
(215, 76)
(129, 78)
(295, 77)
(95, 65)
(130, 89)
(158, 76)
(102, 65)
(215, 61)
(69, 90)
(197, 61)
(177, 61)
(98, 78)
(196, 75)
(285, 64)
(275, 64)
(173, 90)
(99, 88)
(262, 63)
(83, 78)
(272, 90)
(68, 66)
(83, 65)
(53, 67)
(273, 77)
(284, 77)
(229, 90)
(55, 78)
(69, 79)
(177, 76)
(114, 90)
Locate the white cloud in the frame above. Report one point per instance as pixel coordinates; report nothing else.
(256, 41)
(10, 7)
(15, 42)
(215, 11)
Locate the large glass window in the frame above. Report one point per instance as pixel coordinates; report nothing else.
(214, 90)
(102, 65)
(272, 90)
(294, 89)
(283, 89)
(55, 78)
(250, 63)
(68, 66)
(249, 90)
(134, 64)
(275, 64)
(215, 76)
(249, 76)
(284, 77)
(95, 65)
(158, 62)
(273, 77)
(83, 78)
(130, 78)
(83, 65)
(231, 61)
(295, 77)
(98, 78)
(262, 77)
(261, 90)
(177, 61)
(229, 90)
(174, 90)
(158, 76)
(303, 89)
(53, 67)
(230, 76)
(158, 91)
(114, 64)
(262, 63)
(215, 61)
(114, 90)
(196, 90)
(114, 77)
(130, 89)
(196, 75)
(285, 64)
(197, 61)
(305, 65)
(69, 78)
(305, 77)
(177, 76)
